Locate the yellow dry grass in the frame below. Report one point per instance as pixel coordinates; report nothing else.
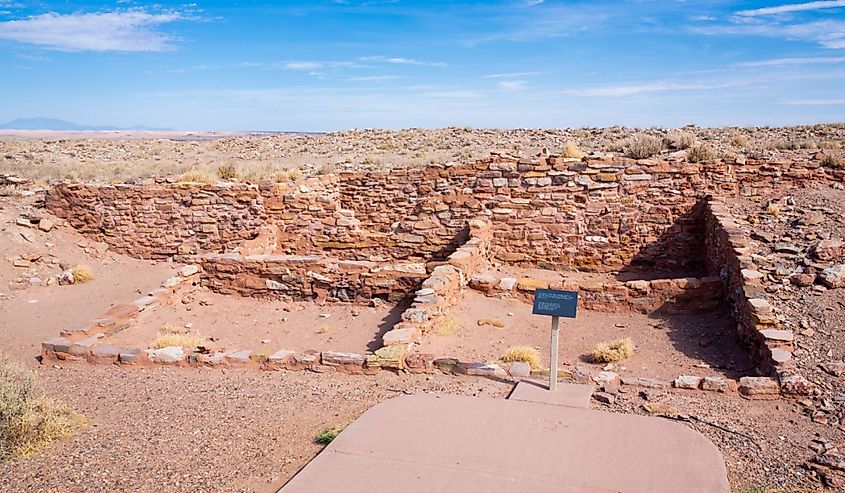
(172, 329)
(609, 352)
(178, 340)
(82, 273)
(571, 150)
(28, 421)
(495, 322)
(196, 176)
(448, 326)
(773, 210)
(525, 354)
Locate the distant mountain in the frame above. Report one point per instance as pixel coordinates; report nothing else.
(41, 123)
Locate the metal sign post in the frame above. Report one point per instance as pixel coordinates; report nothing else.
(557, 304)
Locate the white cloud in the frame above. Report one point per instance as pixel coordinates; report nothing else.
(374, 78)
(108, 31)
(510, 75)
(815, 102)
(512, 85)
(794, 61)
(623, 90)
(306, 65)
(401, 61)
(828, 33)
(794, 7)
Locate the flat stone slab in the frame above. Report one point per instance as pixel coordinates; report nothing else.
(447, 443)
(566, 394)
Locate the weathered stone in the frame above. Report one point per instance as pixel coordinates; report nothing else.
(519, 369)
(332, 358)
(687, 382)
(759, 388)
(167, 355)
(604, 397)
(483, 369)
(796, 385)
(391, 357)
(833, 277)
(400, 336)
(604, 377)
(714, 384)
(241, 357)
(419, 362)
(778, 335)
(188, 270)
(828, 250)
(129, 356)
(653, 383)
(106, 353)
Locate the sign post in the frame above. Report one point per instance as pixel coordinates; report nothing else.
(557, 304)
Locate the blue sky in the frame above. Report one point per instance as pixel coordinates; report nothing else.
(333, 65)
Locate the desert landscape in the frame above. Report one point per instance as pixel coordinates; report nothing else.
(207, 305)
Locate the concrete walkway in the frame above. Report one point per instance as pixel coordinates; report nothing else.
(429, 444)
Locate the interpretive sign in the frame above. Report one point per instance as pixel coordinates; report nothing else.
(555, 303)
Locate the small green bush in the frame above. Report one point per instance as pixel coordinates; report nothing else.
(326, 436)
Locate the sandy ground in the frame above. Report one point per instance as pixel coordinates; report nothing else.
(39, 313)
(666, 347)
(233, 322)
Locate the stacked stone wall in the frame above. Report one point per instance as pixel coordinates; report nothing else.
(591, 214)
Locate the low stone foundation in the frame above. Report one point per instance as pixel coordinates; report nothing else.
(669, 295)
(729, 256)
(297, 277)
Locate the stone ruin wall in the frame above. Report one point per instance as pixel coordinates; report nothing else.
(591, 215)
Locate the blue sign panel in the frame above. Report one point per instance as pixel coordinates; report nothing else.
(555, 303)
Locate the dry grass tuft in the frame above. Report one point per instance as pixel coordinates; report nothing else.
(172, 329)
(82, 273)
(831, 161)
(525, 354)
(698, 153)
(642, 146)
(773, 210)
(609, 352)
(681, 140)
(659, 409)
(227, 172)
(196, 176)
(739, 140)
(28, 421)
(171, 335)
(571, 150)
(448, 326)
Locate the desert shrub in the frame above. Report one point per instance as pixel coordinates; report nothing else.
(196, 176)
(773, 210)
(28, 421)
(698, 153)
(172, 329)
(571, 150)
(831, 161)
(326, 436)
(642, 146)
(448, 326)
(739, 140)
(525, 354)
(681, 140)
(294, 174)
(174, 336)
(227, 172)
(609, 352)
(82, 273)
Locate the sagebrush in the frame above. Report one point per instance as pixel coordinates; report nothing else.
(609, 352)
(28, 420)
(525, 354)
